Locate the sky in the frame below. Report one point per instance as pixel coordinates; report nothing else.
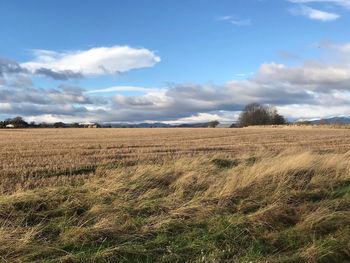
(172, 61)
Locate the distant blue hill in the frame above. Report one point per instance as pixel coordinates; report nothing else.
(331, 120)
(156, 125)
(138, 125)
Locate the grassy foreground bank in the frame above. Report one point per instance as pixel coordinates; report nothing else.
(273, 207)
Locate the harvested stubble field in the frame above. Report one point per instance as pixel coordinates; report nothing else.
(175, 195)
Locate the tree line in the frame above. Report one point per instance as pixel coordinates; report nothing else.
(19, 122)
(252, 114)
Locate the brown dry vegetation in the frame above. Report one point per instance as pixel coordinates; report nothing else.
(175, 195)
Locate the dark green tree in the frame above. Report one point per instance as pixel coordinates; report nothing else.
(18, 122)
(59, 125)
(213, 124)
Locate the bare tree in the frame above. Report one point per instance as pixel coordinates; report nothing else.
(257, 114)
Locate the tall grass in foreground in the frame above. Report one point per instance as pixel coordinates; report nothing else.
(273, 207)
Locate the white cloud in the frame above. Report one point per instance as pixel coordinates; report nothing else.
(306, 111)
(221, 116)
(224, 18)
(95, 61)
(234, 21)
(197, 118)
(312, 76)
(343, 3)
(343, 49)
(244, 22)
(307, 90)
(313, 13)
(310, 85)
(117, 88)
(5, 106)
(244, 74)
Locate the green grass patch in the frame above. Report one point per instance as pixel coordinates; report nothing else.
(225, 163)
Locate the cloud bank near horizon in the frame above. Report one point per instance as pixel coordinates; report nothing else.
(308, 90)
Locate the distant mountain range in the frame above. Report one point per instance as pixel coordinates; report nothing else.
(331, 120)
(156, 125)
(139, 125)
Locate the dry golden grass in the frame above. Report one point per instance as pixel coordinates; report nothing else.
(51, 153)
(175, 195)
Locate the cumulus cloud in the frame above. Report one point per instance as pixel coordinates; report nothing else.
(311, 76)
(61, 95)
(58, 74)
(223, 116)
(308, 90)
(306, 111)
(95, 61)
(183, 100)
(311, 85)
(314, 14)
(20, 97)
(10, 67)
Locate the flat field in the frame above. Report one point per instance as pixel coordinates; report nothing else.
(175, 195)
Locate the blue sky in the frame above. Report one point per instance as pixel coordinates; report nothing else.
(172, 61)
